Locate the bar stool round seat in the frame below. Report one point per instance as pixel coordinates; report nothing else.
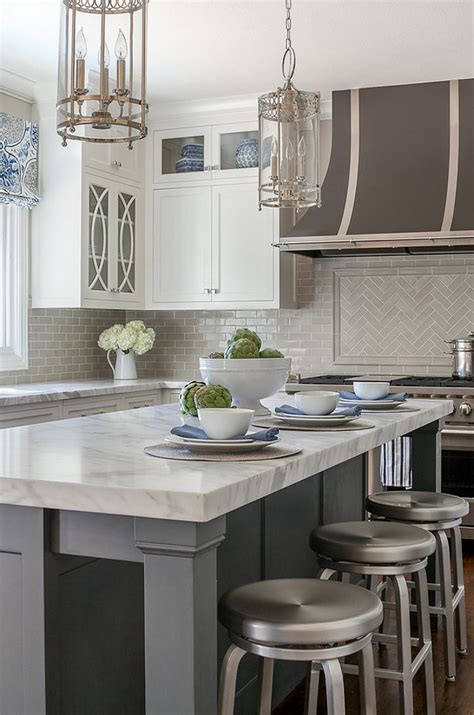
(306, 620)
(417, 506)
(441, 515)
(372, 542)
(300, 612)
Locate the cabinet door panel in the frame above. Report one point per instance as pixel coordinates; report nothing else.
(98, 237)
(116, 159)
(243, 259)
(86, 406)
(182, 245)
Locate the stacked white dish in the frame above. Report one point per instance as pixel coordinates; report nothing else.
(316, 408)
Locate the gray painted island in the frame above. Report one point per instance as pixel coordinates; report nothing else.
(112, 561)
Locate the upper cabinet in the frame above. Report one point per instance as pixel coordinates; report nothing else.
(88, 232)
(116, 160)
(205, 153)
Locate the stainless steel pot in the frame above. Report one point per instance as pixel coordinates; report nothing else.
(462, 350)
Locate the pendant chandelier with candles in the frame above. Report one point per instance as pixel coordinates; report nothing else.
(100, 100)
(289, 140)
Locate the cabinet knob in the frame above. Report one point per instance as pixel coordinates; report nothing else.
(115, 290)
(206, 290)
(215, 167)
(214, 291)
(116, 164)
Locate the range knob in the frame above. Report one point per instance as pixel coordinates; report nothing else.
(465, 409)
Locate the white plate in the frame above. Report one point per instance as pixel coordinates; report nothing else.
(314, 420)
(197, 440)
(207, 446)
(372, 404)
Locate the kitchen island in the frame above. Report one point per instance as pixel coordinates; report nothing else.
(112, 561)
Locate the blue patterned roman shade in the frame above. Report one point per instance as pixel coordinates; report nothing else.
(18, 161)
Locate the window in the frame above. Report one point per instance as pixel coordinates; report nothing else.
(13, 287)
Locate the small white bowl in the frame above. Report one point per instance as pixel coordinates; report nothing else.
(371, 390)
(225, 423)
(316, 402)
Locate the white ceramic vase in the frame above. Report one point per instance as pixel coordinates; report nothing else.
(124, 368)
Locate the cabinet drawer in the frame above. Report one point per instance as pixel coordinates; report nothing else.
(85, 406)
(170, 396)
(21, 415)
(133, 402)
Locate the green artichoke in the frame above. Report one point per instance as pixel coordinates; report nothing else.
(216, 356)
(271, 353)
(186, 397)
(245, 333)
(212, 396)
(243, 348)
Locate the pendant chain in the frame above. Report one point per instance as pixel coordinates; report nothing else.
(288, 24)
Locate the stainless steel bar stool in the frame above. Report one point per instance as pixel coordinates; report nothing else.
(390, 550)
(440, 514)
(305, 620)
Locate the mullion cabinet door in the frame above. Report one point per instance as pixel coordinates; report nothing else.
(98, 222)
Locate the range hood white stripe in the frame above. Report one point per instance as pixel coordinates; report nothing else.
(453, 154)
(353, 164)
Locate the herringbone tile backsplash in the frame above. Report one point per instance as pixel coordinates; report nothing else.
(383, 314)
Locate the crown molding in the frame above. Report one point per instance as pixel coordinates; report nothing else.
(16, 86)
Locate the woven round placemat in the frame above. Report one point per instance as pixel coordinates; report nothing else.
(351, 426)
(166, 450)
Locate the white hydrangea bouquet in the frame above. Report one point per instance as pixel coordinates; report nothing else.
(126, 341)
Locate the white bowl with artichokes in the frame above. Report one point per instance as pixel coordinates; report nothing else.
(249, 372)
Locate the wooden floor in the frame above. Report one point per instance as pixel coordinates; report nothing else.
(451, 698)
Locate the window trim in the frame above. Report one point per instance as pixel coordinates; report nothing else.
(14, 230)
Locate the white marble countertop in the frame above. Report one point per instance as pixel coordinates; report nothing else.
(26, 394)
(97, 464)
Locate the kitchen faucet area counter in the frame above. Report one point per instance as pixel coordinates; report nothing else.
(112, 561)
(97, 464)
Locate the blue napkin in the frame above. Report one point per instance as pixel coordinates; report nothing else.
(186, 431)
(399, 397)
(343, 412)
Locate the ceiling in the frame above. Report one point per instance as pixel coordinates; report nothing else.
(221, 48)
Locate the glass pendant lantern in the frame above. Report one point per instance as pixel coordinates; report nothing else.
(100, 100)
(289, 140)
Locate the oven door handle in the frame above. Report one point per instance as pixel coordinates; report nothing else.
(458, 431)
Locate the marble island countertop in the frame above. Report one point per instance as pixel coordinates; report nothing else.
(97, 464)
(26, 394)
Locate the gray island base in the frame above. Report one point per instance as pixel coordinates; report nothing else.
(112, 562)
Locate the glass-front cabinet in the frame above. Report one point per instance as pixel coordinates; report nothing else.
(223, 151)
(110, 245)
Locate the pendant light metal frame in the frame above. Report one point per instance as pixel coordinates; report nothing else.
(289, 117)
(72, 105)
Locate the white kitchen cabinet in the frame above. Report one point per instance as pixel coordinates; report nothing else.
(117, 160)
(86, 406)
(244, 263)
(210, 247)
(87, 240)
(137, 400)
(111, 244)
(171, 148)
(226, 139)
(218, 160)
(19, 415)
(181, 246)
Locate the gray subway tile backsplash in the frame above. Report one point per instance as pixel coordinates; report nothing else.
(383, 314)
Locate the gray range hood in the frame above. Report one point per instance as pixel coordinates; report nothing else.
(400, 176)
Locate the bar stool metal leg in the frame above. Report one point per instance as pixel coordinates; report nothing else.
(367, 681)
(334, 687)
(403, 643)
(446, 593)
(456, 544)
(424, 636)
(228, 680)
(312, 689)
(266, 683)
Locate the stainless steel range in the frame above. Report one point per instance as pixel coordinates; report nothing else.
(457, 437)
